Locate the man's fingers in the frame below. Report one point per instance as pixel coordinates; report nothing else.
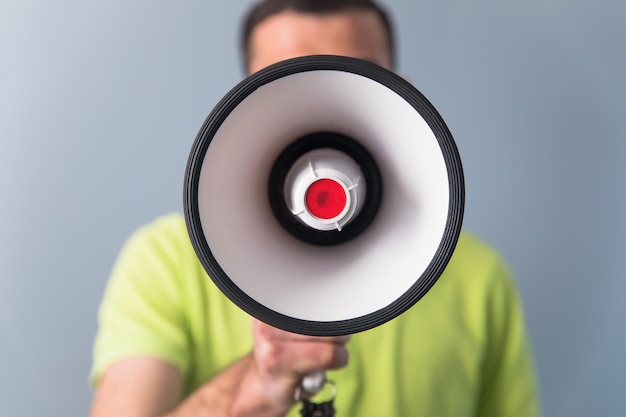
(299, 357)
(278, 351)
(282, 359)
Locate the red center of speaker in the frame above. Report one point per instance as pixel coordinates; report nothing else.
(326, 198)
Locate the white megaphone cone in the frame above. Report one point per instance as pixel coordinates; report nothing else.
(324, 195)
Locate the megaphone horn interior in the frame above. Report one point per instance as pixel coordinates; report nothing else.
(324, 195)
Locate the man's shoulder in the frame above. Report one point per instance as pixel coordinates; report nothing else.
(472, 244)
(166, 233)
(475, 267)
(474, 254)
(159, 247)
(170, 224)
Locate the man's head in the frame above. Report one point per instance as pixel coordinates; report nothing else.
(275, 30)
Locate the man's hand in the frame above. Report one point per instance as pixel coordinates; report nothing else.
(263, 383)
(282, 359)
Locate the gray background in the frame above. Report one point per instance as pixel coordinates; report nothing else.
(100, 102)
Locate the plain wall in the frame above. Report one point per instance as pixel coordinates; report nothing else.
(100, 102)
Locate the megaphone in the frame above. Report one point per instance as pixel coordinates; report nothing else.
(324, 195)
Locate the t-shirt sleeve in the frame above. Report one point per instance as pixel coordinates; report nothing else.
(140, 313)
(509, 380)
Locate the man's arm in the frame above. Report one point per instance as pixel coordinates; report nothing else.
(260, 384)
(138, 386)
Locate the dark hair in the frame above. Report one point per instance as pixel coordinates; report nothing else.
(266, 8)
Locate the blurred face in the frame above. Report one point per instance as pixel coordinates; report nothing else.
(353, 33)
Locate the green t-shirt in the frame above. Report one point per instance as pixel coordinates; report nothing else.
(460, 351)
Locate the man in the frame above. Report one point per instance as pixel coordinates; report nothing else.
(171, 344)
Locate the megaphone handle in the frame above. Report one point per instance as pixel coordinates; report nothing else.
(311, 384)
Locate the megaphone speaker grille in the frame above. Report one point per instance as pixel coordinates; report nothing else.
(368, 170)
(381, 167)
